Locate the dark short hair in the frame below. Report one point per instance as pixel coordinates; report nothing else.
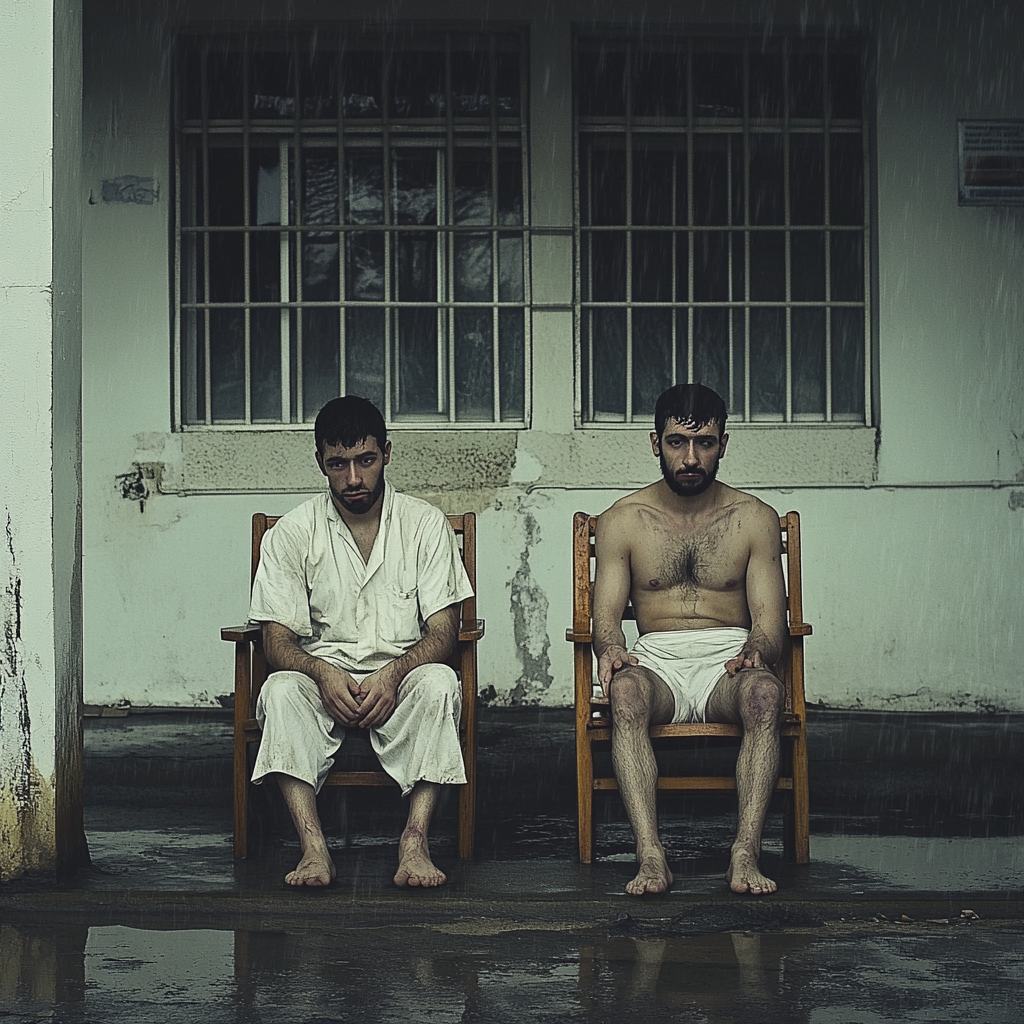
(690, 403)
(348, 421)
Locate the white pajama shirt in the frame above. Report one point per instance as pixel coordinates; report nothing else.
(360, 616)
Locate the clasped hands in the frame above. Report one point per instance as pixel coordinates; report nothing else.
(358, 704)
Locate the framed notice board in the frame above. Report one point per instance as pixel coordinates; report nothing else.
(991, 163)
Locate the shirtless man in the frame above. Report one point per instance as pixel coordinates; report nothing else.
(701, 563)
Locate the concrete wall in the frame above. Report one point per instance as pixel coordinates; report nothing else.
(912, 570)
(40, 438)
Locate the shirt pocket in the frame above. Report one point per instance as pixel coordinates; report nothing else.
(398, 615)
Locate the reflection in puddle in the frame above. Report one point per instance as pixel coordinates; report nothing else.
(118, 974)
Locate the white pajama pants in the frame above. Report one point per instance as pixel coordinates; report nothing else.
(420, 741)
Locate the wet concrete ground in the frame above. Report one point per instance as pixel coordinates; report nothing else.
(915, 821)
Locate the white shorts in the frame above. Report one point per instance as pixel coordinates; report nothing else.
(690, 662)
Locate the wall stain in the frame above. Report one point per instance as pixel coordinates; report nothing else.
(27, 840)
(530, 626)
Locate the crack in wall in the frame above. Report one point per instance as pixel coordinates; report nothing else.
(530, 625)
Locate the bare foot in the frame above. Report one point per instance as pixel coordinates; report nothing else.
(745, 876)
(415, 867)
(653, 876)
(316, 868)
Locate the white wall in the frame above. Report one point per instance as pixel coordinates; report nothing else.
(913, 590)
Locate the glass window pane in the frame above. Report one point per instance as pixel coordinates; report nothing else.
(808, 349)
(807, 277)
(847, 271)
(320, 266)
(806, 85)
(510, 268)
(710, 179)
(767, 364)
(806, 179)
(768, 266)
(738, 242)
(605, 188)
(738, 403)
(848, 363)
(659, 84)
(364, 187)
(472, 181)
(471, 83)
(272, 85)
(846, 171)
(711, 348)
(718, 85)
(652, 358)
(609, 363)
(415, 189)
(190, 77)
(474, 365)
(473, 259)
(601, 85)
(766, 85)
(265, 267)
(319, 186)
(510, 187)
(265, 349)
(844, 74)
(652, 266)
(767, 180)
(318, 84)
(364, 354)
(416, 364)
(654, 172)
(711, 266)
(362, 75)
(417, 84)
(226, 202)
(507, 83)
(321, 359)
(417, 266)
(227, 267)
(364, 265)
(511, 358)
(227, 364)
(224, 80)
(682, 244)
(608, 255)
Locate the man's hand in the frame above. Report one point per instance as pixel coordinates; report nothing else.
(611, 660)
(340, 694)
(744, 660)
(378, 697)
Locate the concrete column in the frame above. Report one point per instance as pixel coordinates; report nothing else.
(40, 438)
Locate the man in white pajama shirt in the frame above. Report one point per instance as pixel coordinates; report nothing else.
(358, 591)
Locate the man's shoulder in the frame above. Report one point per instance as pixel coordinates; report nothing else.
(760, 511)
(417, 511)
(631, 505)
(304, 516)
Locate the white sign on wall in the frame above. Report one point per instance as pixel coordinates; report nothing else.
(991, 163)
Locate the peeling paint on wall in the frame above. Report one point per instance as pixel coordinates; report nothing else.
(530, 625)
(27, 839)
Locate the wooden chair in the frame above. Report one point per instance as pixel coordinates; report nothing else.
(251, 673)
(593, 722)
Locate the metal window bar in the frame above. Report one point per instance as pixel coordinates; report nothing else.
(342, 237)
(787, 235)
(629, 234)
(205, 171)
(295, 318)
(247, 312)
(827, 219)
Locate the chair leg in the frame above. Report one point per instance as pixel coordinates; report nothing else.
(801, 803)
(467, 814)
(585, 797)
(241, 787)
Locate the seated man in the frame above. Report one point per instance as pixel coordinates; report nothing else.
(701, 563)
(359, 591)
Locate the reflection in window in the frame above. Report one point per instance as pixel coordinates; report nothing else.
(351, 220)
(722, 218)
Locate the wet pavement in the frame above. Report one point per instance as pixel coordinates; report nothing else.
(912, 908)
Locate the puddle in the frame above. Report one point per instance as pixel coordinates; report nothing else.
(116, 974)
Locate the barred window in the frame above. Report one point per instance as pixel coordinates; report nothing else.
(351, 219)
(722, 226)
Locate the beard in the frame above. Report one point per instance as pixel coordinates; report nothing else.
(689, 490)
(356, 502)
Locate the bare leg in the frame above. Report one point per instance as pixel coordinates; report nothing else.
(415, 867)
(316, 867)
(638, 698)
(755, 698)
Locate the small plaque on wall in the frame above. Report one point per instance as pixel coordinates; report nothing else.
(991, 163)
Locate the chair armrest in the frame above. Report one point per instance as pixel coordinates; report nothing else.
(241, 634)
(472, 629)
(578, 638)
(800, 629)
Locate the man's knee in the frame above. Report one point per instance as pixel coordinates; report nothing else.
(762, 697)
(630, 697)
(285, 690)
(432, 681)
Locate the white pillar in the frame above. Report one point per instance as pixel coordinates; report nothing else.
(40, 437)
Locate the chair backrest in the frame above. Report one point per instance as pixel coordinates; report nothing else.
(791, 668)
(465, 532)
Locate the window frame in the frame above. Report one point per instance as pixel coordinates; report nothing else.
(296, 134)
(628, 125)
